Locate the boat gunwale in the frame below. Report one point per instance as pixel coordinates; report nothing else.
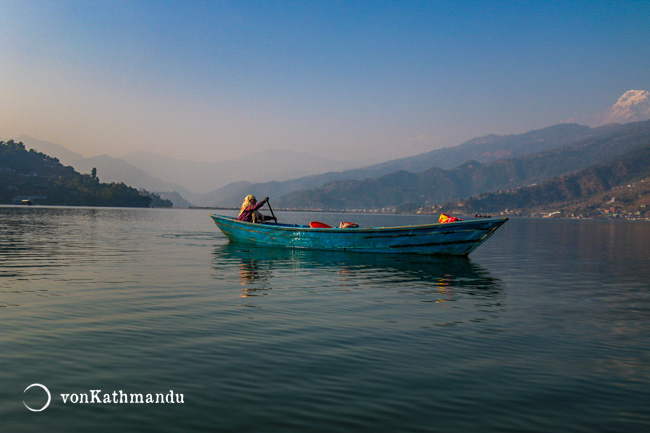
(297, 227)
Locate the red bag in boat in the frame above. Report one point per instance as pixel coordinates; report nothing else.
(319, 225)
(444, 218)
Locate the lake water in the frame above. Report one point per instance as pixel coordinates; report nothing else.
(545, 328)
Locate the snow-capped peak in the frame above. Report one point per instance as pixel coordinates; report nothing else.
(633, 97)
(632, 106)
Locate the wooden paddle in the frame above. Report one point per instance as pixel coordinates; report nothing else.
(271, 209)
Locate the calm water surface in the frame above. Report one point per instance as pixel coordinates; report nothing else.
(545, 328)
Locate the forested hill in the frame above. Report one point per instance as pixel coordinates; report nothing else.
(408, 191)
(30, 175)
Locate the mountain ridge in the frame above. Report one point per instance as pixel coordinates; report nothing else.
(109, 169)
(592, 192)
(203, 177)
(439, 185)
(485, 149)
(482, 149)
(131, 172)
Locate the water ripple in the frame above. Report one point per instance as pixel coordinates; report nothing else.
(544, 329)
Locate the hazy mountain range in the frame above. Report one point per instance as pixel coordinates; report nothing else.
(483, 150)
(277, 174)
(408, 191)
(109, 169)
(188, 179)
(203, 177)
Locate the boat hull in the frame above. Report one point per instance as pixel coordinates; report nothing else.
(456, 238)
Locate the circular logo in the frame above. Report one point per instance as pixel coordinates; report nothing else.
(47, 391)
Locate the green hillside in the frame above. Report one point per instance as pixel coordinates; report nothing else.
(34, 176)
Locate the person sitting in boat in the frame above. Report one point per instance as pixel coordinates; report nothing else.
(249, 211)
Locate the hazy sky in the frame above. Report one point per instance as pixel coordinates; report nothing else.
(212, 80)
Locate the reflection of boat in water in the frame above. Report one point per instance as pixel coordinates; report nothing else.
(259, 265)
(454, 238)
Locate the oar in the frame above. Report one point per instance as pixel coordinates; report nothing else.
(271, 209)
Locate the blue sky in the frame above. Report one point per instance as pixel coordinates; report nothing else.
(375, 80)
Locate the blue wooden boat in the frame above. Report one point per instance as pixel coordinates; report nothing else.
(455, 238)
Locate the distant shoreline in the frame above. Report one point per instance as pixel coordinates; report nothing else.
(496, 214)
